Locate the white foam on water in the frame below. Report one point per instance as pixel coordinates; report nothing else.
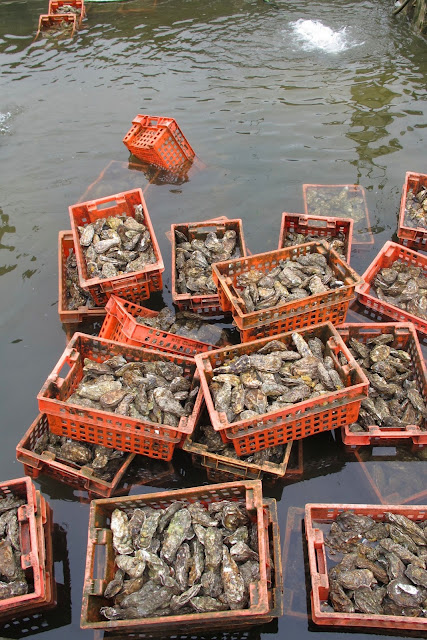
(313, 34)
(4, 119)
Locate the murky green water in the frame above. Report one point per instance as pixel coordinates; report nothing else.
(265, 114)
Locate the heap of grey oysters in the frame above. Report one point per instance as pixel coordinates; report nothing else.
(383, 565)
(212, 439)
(292, 279)
(104, 463)
(275, 377)
(186, 324)
(394, 399)
(194, 260)
(116, 245)
(155, 390)
(12, 578)
(182, 559)
(338, 242)
(75, 296)
(416, 208)
(342, 204)
(403, 285)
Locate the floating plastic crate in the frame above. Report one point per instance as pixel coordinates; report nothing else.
(318, 515)
(65, 247)
(220, 467)
(208, 304)
(330, 305)
(353, 193)
(66, 472)
(137, 285)
(61, 6)
(57, 21)
(405, 337)
(121, 325)
(390, 252)
(322, 413)
(412, 236)
(317, 226)
(158, 141)
(102, 427)
(247, 493)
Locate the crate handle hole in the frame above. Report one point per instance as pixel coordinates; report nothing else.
(64, 371)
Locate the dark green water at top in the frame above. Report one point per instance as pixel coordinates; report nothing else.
(266, 111)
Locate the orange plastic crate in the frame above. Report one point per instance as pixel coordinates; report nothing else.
(135, 286)
(45, 463)
(53, 21)
(102, 427)
(159, 141)
(390, 252)
(247, 493)
(362, 232)
(316, 516)
(65, 247)
(328, 306)
(317, 226)
(207, 305)
(120, 325)
(323, 413)
(405, 338)
(56, 6)
(412, 237)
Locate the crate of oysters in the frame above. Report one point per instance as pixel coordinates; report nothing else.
(286, 289)
(26, 562)
(268, 392)
(84, 466)
(195, 247)
(116, 247)
(200, 556)
(367, 565)
(412, 228)
(122, 397)
(396, 406)
(395, 286)
(185, 332)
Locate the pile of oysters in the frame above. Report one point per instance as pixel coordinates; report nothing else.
(12, 577)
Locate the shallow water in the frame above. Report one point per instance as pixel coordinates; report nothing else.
(267, 106)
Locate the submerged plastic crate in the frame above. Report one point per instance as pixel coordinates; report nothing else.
(317, 226)
(159, 141)
(316, 517)
(348, 194)
(61, 6)
(390, 252)
(330, 305)
(322, 413)
(136, 285)
(405, 337)
(205, 304)
(65, 247)
(102, 427)
(409, 234)
(247, 493)
(62, 470)
(57, 21)
(120, 325)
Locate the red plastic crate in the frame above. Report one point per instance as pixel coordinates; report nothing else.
(317, 226)
(362, 232)
(65, 247)
(405, 337)
(247, 493)
(135, 286)
(323, 413)
(53, 21)
(328, 306)
(102, 427)
(159, 141)
(45, 463)
(120, 325)
(390, 252)
(56, 6)
(207, 305)
(412, 237)
(316, 516)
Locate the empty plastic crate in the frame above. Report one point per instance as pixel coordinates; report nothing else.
(409, 233)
